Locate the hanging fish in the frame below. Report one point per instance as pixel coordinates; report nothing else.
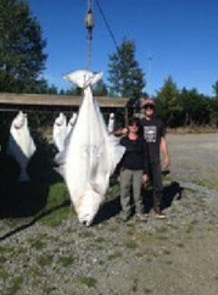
(59, 158)
(110, 126)
(71, 123)
(20, 144)
(60, 132)
(91, 154)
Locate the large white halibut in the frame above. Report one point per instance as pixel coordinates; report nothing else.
(21, 145)
(91, 154)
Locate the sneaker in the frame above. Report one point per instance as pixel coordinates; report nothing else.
(159, 215)
(142, 216)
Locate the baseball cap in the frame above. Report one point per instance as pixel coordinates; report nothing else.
(148, 101)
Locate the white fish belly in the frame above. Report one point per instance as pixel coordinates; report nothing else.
(86, 153)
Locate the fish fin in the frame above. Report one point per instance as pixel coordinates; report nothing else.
(116, 151)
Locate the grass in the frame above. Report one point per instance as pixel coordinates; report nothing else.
(86, 234)
(166, 252)
(58, 205)
(3, 259)
(99, 243)
(38, 242)
(3, 249)
(190, 226)
(4, 275)
(88, 281)
(65, 261)
(162, 229)
(131, 244)
(114, 256)
(135, 286)
(15, 285)
(180, 245)
(100, 240)
(48, 289)
(162, 237)
(45, 260)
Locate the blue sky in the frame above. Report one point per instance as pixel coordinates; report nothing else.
(175, 38)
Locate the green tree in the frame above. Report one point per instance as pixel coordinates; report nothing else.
(125, 76)
(74, 90)
(215, 89)
(195, 107)
(168, 107)
(100, 89)
(21, 49)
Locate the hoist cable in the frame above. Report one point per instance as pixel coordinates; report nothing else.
(89, 53)
(89, 33)
(107, 25)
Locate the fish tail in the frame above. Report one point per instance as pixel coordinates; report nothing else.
(83, 78)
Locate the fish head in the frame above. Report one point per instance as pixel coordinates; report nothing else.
(89, 205)
(73, 119)
(60, 120)
(20, 120)
(111, 116)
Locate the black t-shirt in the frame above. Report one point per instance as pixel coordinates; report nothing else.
(136, 154)
(153, 130)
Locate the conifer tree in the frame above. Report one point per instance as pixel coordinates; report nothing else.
(125, 76)
(21, 49)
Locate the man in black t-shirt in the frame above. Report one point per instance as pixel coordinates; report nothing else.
(154, 133)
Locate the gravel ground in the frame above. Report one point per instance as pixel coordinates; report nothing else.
(178, 255)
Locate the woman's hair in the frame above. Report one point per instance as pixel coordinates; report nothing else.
(137, 122)
(133, 121)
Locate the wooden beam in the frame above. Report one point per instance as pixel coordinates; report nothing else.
(15, 100)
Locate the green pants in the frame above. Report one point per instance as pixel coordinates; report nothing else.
(131, 181)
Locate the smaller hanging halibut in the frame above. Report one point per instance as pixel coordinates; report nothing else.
(20, 144)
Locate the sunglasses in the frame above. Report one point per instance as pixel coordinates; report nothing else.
(149, 106)
(135, 125)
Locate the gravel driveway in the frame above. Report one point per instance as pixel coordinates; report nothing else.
(176, 256)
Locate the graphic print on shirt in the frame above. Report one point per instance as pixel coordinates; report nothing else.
(150, 133)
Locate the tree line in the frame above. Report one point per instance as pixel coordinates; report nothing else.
(23, 59)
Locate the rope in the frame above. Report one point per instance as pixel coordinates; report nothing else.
(89, 53)
(89, 38)
(107, 25)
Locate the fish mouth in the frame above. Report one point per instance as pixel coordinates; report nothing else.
(17, 126)
(86, 220)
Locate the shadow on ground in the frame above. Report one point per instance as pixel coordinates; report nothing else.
(25, 199)
(171, 192)
(112, 207)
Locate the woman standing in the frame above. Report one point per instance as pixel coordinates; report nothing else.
(134, 170)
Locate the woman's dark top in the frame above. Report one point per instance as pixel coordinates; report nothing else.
(136, 154)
